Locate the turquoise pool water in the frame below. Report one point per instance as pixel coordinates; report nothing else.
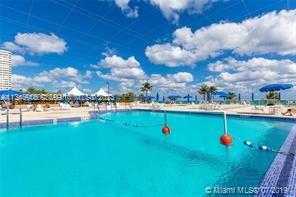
(103, 158)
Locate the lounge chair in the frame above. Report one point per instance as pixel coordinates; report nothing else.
(156, 106)
(39, 108)
(67, 106)
(288, 112)
(256, 108)
(217, 106)
(29, 107)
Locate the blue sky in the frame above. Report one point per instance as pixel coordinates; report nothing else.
(237, 45)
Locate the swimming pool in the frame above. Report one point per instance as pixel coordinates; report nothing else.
(111, 158)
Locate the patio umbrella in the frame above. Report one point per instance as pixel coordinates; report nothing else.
(275, 87)
(9, 94)
(163, 99)
(209, 96)
(253, 97)
(174, 97)
(195, 98)
(188, 97)
(157, 97)
(222, 94)
(239, 97)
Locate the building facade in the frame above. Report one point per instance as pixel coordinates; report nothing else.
(5, 70)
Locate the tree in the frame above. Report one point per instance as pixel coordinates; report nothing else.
(128, 97)
(212, 90)
(146, 87)
(32, 90)
(272, 95)
(231, 95)
(203, 90)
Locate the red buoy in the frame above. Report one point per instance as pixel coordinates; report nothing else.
(226, 140)
(166, 130)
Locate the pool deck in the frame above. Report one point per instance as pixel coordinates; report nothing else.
(83, 112)
(282, 172)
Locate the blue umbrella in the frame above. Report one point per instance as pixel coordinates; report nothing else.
(188, 97)
(222, 94)
(10, 92)
(157, 97)
(253, 97)
(279, 96)
(163, 99)
(275, 87)
(173, 97)
(209, 96)
(195, 98)
(239, 96)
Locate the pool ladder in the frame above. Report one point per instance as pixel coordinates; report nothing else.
(20, 118)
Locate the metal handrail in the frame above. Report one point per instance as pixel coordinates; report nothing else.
(20, 117)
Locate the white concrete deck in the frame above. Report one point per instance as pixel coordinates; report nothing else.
(84, 111)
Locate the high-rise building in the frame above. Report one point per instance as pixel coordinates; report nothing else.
(5, 70)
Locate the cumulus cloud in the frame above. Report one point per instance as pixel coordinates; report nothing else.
(57, 78)
(129, 74)
(171, 82)
(36, 43)
(11, 46)
(88, 74)
(171, 56)
(181, 77)
(18, 60)
(168, 84)
(172, 8)
(126, 9)
(250, 74)
(121, 68)
(272, 33)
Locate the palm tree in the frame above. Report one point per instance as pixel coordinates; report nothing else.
(231, 95)
(203, 90)
(146, 87)
(272, 95)
(212, 90)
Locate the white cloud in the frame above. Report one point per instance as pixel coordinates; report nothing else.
(170, 55)
(130, 76)
(109, 51)
(272, 33)
(121, 68)
(18, 60)
(251, 74)
(126, 9)
(171, 83)
(172, 8)
(57, 78)
(11, 46)
(88, 74)
(181, 77)
(36, 43)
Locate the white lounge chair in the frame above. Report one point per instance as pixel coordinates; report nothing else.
(256, 108)
(67, 106)
(39, 108)
(217, 106)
